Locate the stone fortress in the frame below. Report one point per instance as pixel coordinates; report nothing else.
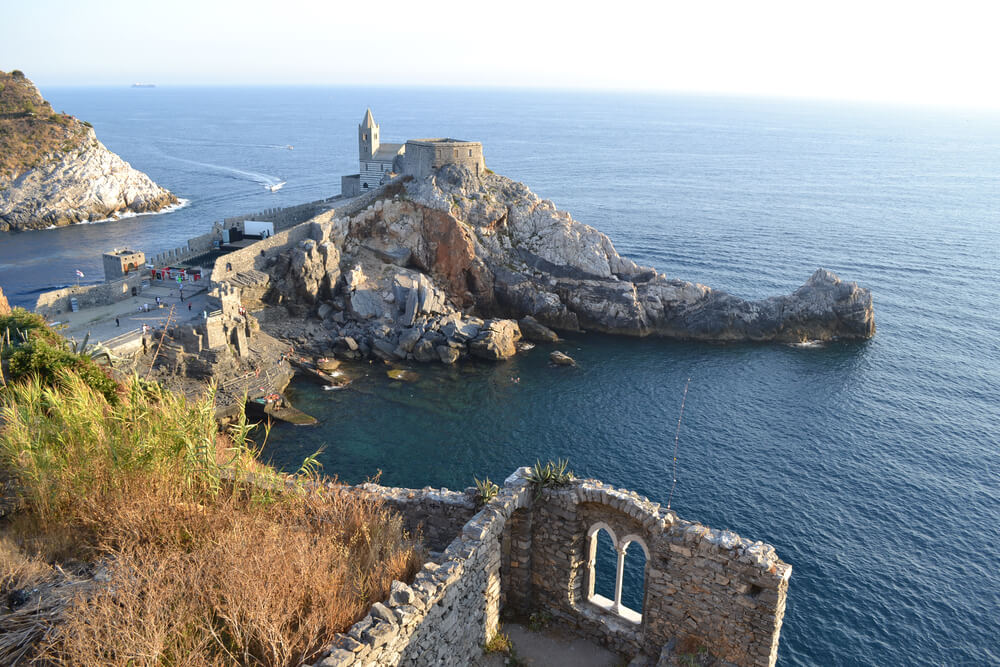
(379, 162)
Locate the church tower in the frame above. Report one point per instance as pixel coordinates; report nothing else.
(368, 140)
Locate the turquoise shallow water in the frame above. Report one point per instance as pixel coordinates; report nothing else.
(872, 467)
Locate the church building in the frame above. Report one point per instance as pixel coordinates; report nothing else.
(379, 161)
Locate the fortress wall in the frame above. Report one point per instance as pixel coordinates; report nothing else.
(423, 157)
(256, 255)
(56, 302)
(704, 589)
(437, 515)
(283, 218)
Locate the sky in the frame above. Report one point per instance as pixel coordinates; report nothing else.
(909, 52)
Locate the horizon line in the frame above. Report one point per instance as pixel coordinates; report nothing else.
(528, 88)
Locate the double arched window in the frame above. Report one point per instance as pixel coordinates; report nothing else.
(615, 606)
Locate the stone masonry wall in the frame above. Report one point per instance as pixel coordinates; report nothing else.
(54, 303)
(437, 515)
(704, 588)
(453, 606)
(255, 255)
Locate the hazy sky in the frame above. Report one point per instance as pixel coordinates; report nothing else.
(945, 52)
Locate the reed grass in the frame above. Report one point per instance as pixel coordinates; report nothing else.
(199, 565)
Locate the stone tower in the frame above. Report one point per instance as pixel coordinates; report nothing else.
(368, 142)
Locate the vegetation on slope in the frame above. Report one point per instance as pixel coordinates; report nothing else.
(141, 541)
(31, 133)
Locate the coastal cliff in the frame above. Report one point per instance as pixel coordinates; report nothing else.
(54, 171)
(439, 268)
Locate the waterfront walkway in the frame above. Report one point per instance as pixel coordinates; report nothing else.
(99, 321)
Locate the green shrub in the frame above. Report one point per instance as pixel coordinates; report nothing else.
(32, 349)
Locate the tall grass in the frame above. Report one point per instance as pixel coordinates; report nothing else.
(204, 567)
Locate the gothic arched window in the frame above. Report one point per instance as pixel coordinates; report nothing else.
(621, 549)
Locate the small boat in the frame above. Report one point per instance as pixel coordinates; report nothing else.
(277, 407)
(144, 85)
(275, 187)
(290, 147)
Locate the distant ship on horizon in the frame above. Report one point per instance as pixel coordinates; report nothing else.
(144, 85)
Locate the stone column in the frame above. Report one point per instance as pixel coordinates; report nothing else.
(618, 577)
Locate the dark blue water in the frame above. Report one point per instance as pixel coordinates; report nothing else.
(874, 468)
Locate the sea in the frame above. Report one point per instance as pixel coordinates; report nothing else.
(872, 467)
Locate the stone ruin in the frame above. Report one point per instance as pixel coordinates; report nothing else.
(709, 594)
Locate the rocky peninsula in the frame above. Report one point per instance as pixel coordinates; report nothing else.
(54, 171)
(457, 264)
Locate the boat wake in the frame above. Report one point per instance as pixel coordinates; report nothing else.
(232, 172)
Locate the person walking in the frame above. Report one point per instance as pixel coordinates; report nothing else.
(117, 323)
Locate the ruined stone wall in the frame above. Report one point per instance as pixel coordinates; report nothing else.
(704, 589)
(56, 302)
(437, 515)
(452, 608)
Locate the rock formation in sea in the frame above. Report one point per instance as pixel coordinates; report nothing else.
(54, 171)
(441, 267)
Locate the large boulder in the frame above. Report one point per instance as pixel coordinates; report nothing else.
(535, 331)
(496, 340)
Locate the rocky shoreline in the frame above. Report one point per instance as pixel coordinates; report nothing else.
(457, 265)
(55, 171)
(86, 184)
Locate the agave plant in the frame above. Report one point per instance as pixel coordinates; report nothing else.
(97, 352)
(552, 474)
(485, 491)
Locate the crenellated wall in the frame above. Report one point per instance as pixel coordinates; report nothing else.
(530, 550)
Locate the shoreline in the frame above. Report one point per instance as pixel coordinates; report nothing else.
(181, 203)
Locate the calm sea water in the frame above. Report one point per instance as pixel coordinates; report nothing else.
(874, 468)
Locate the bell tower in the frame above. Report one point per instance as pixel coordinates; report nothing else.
(368, 140)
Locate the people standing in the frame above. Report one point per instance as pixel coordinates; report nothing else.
(117, 323)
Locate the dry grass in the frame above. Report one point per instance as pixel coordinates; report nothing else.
(30, 131)
(199, 570)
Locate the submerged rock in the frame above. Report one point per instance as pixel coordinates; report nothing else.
(561, 359)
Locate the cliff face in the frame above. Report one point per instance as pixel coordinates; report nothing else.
(424, 265)
(54, 171)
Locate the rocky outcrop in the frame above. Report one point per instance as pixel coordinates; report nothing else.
(69, 176)
(540, 262)
(443, 268)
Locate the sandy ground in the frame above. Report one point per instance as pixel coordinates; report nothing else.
(552, 648)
